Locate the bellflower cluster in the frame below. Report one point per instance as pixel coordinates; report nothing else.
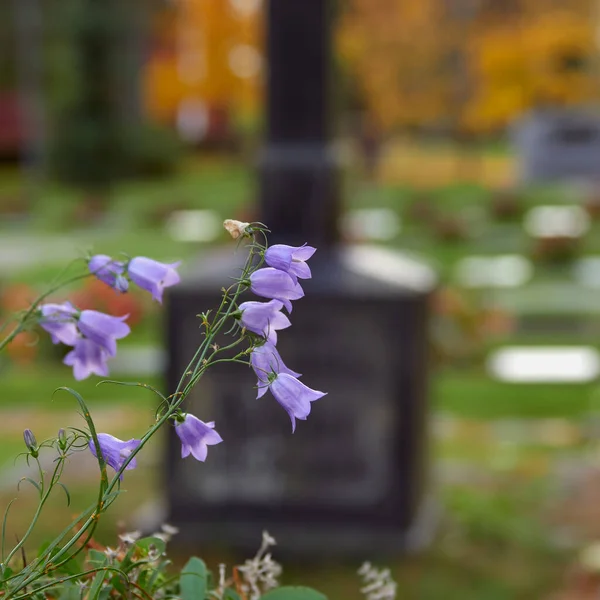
(92, 334)
(278, 281)
(151, 275)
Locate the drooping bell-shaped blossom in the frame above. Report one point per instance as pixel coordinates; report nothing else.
(87, 358)
(290, 259)
(275, 284)
(103, 329)
(115, 451)
(153, 276)
(59, 321)
(196, 436)
(109, 271)
(294, 396)
(266, 360)
(264, 318)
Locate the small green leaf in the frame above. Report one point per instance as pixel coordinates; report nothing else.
(64, 487)
(294, 593)
(231, 595)
(147, 542)
(96, 586)
(193, 580)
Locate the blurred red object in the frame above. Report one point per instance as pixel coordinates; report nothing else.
(23, 349)
(16, 297)
(96, 295)
(11, 130)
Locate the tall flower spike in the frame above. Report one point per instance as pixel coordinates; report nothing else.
(294, 396)
(153, 276)
(115, 451)
(59, 321)
(264, 318)
(109, 271)
(265, 360)
(196, 436)
(103, 329)
(87, 358)
(290, 259)
(273, 283)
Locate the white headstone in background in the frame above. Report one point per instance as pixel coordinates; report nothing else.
(504, 271)
(556, 221)
(545, 364)
(379, 224)
(587, 271)
(557, 145)
(194, 225)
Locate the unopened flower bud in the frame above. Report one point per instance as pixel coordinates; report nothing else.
(62, 439)
(235, 228)
(30, 442)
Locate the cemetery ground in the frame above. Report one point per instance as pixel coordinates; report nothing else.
(512, 462)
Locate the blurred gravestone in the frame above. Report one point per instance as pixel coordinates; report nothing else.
(352, 479)
(554, 145)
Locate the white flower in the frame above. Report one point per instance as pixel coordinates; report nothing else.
(379, 583)
(130, 538)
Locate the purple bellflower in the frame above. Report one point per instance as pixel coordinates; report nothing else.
(275, 284)
(115, 451)
(86, 358)
(196, 436)
(265, 360)
(59, 321)
(109, 271)
(264, 318)
(153, 276)
(294, 396)
(290, 259)
(103, 329)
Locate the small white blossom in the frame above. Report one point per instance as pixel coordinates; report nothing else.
(169, 529)
(111, 554)
(261, 572)
(379, 584)
(130, 538)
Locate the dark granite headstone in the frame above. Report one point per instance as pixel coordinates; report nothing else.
(352, 479)
(558, 144)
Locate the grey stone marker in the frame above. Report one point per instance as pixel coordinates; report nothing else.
(352, 480)
(557, 144)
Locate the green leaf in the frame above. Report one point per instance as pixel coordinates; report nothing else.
(145, 544)
(193, 580)
(64, 487)
(96, 586)
(294, 593)
(231, 595)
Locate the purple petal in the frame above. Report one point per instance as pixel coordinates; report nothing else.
(303, 253)
(272, 283)
(108, 271)
(279, 256)
(153, 276)
(265, 360)
(196, 436)
(103, 329)
(87, 358)
(294, 396)
(264, 318)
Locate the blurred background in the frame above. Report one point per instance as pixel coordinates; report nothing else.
(468, 137)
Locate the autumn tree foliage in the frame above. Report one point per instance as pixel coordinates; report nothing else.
(470, 66)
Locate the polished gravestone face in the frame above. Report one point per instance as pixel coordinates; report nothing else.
(557, 144)
(355, 467)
